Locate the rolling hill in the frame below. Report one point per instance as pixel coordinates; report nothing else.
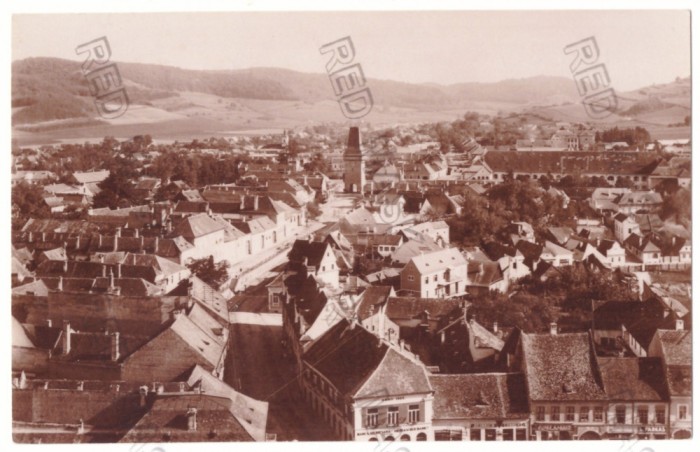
(50, 94)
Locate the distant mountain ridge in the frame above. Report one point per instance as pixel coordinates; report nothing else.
(51, 89)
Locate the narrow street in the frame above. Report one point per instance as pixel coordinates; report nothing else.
(259, 366)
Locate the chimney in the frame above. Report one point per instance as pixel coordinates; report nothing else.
(99, 241)
(495, 327)
(115, 346)
(191, 419)
(43, 236)
(143, 392)
(402, 344)
(66, 337)
(31, 237)
(553, 330)
(49, 323)
(679, 324)
(119, 232)
(22, 381)
(256, 202)
(142, 243)
(136, 234)
(155, 251)
(119, 270)
(65, 266)
(116, 242)
(60, 283)
(104, 267)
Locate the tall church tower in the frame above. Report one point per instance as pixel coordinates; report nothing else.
(354, 175)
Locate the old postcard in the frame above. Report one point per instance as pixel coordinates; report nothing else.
(367, 226)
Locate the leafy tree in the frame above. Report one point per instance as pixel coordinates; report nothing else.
(678, 206)
(117, 189)
(27, 202)
(214, 274)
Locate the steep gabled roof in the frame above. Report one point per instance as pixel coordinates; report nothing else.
(359, 364)
(560, 367)
(480, 396)
(438, 260)
(634, 379)
(197, 226)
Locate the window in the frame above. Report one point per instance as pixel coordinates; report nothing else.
(540, 413)
(620, 413)
(435, 278)
(475, 434)
(410, 277)
(508, 434)
(682, 412)
(598, 414)
(520, 434)
(427, 279)
(372, 417)
(660, 414)
(393, 415)
(413, 414)
(570, 413)
(554, 415)
(643, 415)
(583, 414)
(490, 434)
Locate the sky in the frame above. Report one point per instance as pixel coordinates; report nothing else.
(638, 48)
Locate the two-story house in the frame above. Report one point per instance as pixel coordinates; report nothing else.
(674, 347)
(442, 273)
(366, 389)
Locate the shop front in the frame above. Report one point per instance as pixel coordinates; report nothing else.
(590, 432)
(549, 432)
(652, 432)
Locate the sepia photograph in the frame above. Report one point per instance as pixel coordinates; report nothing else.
(353, 226)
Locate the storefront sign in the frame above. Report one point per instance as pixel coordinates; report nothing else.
(553, 427)
(653, 428)
(391, 432)
(494, 424)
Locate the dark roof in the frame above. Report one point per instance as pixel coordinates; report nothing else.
(359, 364)
(313, 251)
(354, 142)
(371, 299)
(677, 347)
(634, 379)
(483, 274)
(559, 162)
(480, 396)
(412, 307)
(640, 318)
(496, 250)
(167, 421)
(560, 367)
(680, 380)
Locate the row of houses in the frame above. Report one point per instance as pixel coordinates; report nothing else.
(551, 386)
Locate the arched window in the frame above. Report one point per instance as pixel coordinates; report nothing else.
(421, 437)
(405, 438)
